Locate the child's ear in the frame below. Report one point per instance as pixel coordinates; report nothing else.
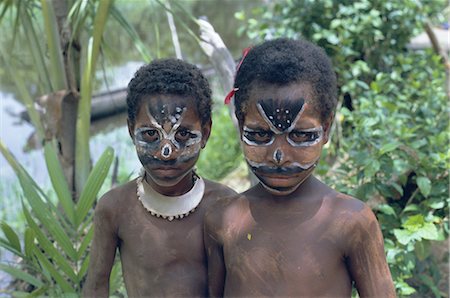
(130, 129)
(206, 132)
(327, 124)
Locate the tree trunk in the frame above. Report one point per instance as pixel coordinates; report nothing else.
(68, 103)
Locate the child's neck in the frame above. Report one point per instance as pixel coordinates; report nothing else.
(182, 187)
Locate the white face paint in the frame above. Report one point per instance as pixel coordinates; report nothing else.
(295, 137)
(151, 138)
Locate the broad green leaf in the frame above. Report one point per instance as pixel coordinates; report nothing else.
(404, 236)
(59, 181)
(388, 148)
(6, 245)
(422, 249)
(62, 282)
(428, 231)
(411, 207)
(414, 222)
(386, 209)
(404, 288)
(93, 184)
(424, 184)
(48, 246)
(82, 152)
(371, 168)
(436, 204)
(22, 275)
(11, 236)
(47, 219)
(84, 267)
(85, 243)
(29, 242)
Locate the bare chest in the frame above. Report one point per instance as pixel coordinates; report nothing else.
(284, 259)
(155, 243)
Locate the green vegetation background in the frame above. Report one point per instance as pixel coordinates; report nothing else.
(389, 145)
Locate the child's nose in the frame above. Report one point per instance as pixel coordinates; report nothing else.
(166, 150)
(280, 153)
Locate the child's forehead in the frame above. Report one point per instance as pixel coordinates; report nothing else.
(167, 107)
(288, 92)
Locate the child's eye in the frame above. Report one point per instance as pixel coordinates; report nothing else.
(259, 137)
(183, 135)
(151, 135)
(304, 136)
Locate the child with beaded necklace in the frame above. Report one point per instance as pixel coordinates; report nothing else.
(156, 220)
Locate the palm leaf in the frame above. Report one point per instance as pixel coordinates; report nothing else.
(22, 275)
(29, 242)
(12, 237)
(82, 153)
(65, 286)
(59, 181)
(48, 246)
(77, 15)
(93, 184)
(137, 42)
(85, 243)
(84, 267)
(46, 218)
(6, 245)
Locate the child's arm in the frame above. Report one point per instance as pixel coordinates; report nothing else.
(216, 263)
(102, 251)
(366, 258)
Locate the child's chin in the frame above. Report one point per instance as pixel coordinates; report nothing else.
(279, 191)
(168, 179)
(281, 187)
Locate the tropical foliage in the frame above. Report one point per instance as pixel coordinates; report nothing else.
(58, 233)
(54, 250)
(390, 142)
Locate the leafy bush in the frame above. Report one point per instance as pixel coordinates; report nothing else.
(223, 152)
(390, 141)
(54, 250)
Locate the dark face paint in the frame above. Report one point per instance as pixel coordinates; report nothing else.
(168, 137)
(282, 136)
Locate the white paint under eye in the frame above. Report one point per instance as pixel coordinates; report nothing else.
(319, 131)
(196, 140)
(305, 166)
(252, 143)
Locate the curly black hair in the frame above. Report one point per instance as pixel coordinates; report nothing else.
(169, 76)
(283, 61)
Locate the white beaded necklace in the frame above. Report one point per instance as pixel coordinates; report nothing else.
(169, 207)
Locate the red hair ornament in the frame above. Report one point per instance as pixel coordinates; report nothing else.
(233, 91)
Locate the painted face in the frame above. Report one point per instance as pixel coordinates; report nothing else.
(168, 137)
(282, 136)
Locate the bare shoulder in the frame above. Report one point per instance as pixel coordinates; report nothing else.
(351, 208)
(354, 217)
(215, 191)
(113, 202)
(225, 211)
